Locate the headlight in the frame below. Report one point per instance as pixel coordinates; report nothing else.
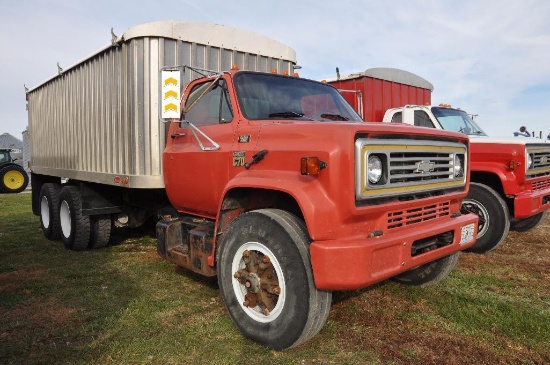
(458, 168)
(529, 161)
(374, 169)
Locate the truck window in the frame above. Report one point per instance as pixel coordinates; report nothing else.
(271, 96)
(4, 157)
(212, 108)
(457, 121)
(397, 118)
(422, 119)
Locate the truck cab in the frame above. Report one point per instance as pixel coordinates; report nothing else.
(271, 163)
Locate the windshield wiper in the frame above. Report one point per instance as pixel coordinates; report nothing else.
(287, 114)
(333, 117)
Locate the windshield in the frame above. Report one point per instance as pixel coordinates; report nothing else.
(457, 121)
(266, 96)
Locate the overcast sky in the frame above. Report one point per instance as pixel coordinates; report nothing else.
(491, 58)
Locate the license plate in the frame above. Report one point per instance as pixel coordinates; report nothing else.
(467, 233)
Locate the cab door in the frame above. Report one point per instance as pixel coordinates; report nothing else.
(197, 156)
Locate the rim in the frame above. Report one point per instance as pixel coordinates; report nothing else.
(477, 208)
(13, 180)
(45, 212)
(65, 218)
(258, 282)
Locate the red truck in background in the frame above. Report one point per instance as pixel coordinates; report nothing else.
(271, 182)
(510, 177)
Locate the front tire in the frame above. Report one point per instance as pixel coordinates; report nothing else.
(527, 224)
(75, 227)
(49, 210)
(266, 280)
(430, 273)
(494, 218)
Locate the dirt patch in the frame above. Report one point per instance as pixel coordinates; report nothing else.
(374, 322)
(404, 331)
(12, 280)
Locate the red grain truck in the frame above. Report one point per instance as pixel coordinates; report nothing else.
(510, 177)
(269, 181)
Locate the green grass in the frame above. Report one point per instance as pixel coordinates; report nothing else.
(125, 305)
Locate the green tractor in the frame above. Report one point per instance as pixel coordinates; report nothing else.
(13, 178)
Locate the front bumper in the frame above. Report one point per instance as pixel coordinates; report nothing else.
(533, 202)
(353, 264)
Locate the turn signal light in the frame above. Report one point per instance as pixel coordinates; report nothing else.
(311, 166)
(513, 164)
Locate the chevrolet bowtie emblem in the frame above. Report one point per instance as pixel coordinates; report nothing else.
(424, 166)
(544, 159)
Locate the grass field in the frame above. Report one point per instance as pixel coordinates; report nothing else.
(125, 305)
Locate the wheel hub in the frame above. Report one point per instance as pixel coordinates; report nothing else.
(260, 280)
(13, 180)
(478, 209)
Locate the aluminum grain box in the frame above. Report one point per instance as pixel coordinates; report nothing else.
(98, 120)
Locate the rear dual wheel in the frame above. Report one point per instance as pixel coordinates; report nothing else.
(49, 210)
(100, 231)
(78, 231)
(75, 227)
(266, 280)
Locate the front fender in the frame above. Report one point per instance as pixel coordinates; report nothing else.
(318, 209)
(507, 177)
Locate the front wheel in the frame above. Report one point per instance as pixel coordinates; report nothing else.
(527, 224)
(266, 281)
(494, 219)
(430, 273)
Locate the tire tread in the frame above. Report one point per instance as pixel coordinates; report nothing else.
(100, 231)
(500, 220)
(80, 223)
(52, 193)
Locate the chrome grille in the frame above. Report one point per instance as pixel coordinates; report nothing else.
(409, 167)
(540, 156)
(412, 167)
